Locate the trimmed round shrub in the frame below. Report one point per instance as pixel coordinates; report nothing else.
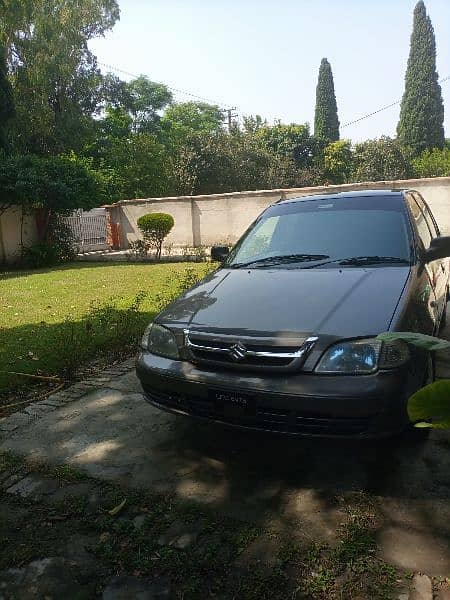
(155, 227)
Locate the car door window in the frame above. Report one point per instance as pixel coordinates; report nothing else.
(421, 224)
(428, 216)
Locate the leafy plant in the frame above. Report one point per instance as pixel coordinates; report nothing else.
(155, 227)
(110, 326)
(138, 250)
(59, 247)
(429, 406)
(199, 253)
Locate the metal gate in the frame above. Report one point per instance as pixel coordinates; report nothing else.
(89, 228)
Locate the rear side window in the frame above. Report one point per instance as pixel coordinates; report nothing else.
(419, 219)
(428, 216)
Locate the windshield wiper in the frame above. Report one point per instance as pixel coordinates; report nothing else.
(373, 260)
(364, 260)
(276, 260)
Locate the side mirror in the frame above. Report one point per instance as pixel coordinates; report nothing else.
(439, 248)
(219, 253)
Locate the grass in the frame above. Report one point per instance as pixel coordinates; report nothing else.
(47, 315)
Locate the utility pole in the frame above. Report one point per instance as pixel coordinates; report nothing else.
(230, 116)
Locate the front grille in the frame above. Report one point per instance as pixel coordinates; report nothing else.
(249, 354)
(265, 418)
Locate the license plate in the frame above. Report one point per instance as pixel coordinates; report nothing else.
(232, 403)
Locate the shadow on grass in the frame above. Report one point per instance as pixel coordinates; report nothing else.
(62, 348)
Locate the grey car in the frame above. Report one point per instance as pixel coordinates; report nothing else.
(282, 337)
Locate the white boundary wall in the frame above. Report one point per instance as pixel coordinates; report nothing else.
(216, 218)
(10, 221)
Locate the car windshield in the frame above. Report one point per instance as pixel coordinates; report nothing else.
(358, 230)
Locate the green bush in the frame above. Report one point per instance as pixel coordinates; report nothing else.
(57, 249)
(155, 227)
(381, 159)
(433, 163)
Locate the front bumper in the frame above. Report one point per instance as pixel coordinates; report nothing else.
(305, 404)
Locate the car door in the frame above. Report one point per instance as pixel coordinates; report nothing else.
(426, 309)
(438, 268)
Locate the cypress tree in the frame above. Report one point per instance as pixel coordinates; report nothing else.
(7, 110)
(422, 109)
(326, 122)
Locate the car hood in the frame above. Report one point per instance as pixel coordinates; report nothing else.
(347, 302)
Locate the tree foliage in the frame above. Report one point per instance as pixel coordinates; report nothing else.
(381, 159)
(142, 99)
(326, 122)
(422, 110)
(338, 162)
(56, 184)
(432, 163)
(7, 108)
(55, 77)
(292, 142)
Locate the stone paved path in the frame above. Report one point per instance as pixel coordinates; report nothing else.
(104, 426)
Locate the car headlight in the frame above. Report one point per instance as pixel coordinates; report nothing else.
(363, 357)
(159, 340)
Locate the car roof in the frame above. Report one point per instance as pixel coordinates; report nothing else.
(338, 195)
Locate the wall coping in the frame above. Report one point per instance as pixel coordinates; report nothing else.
(395, 184)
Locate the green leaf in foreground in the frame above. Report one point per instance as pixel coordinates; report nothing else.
(427, 342)
(431, 404)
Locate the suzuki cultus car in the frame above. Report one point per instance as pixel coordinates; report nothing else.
(282, 337)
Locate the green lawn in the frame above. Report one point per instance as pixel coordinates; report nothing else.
(47, 316)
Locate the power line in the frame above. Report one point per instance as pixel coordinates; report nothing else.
(177, 90)
(229, 112)
(375, 112)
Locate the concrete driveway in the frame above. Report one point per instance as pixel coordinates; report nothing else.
(105, 427)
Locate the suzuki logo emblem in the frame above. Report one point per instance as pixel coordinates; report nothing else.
(238, 352)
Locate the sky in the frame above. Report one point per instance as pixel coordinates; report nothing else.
(262, 56)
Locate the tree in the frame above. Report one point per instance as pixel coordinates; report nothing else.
(48, 187)
(136, 167)
(185, 118)
(7, 109)
(382, 159)
(293, 142)
(433, 163)
(338, 161)
(55, 77)
(326, 122)
(422, 109)
(141, 98)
